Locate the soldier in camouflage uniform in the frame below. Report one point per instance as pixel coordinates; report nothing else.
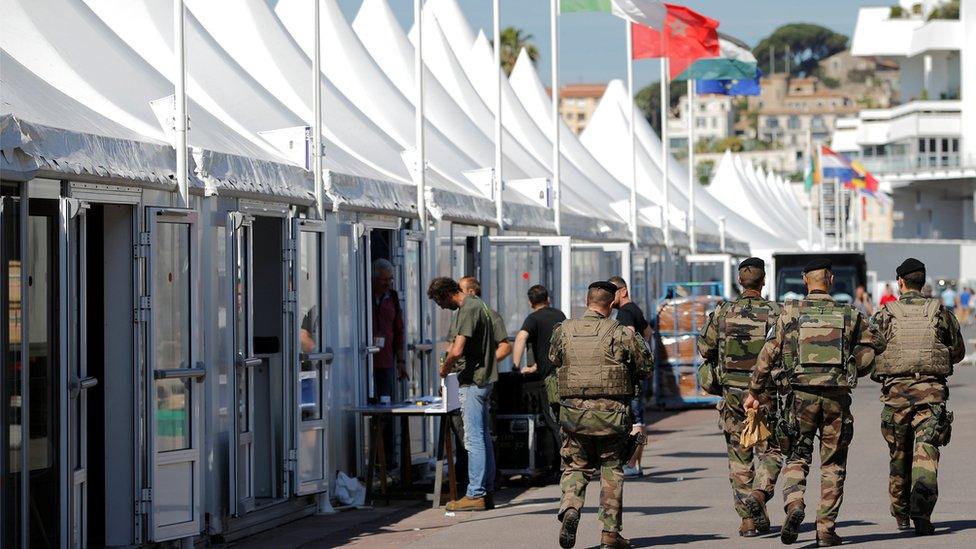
(824, 347)
(924, 341)
(732, 338)
(598, 362)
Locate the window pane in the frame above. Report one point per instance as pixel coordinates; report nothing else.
(309, 292)
(171, 333)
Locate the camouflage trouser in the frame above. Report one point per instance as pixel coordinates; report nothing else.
(581, 456)
(745, 474)
(913, 436)
(830, 415)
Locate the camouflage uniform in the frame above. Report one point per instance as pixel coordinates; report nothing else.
(595, 431)
(822, 368)
(914, 421)
(716, 346)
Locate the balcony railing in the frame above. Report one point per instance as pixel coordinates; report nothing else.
(917, 162)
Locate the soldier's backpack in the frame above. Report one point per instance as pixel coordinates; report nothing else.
(742, 329)
(913, 342)
(820, 350)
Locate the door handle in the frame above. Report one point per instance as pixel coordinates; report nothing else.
(87, 383)
(372, 349)
(181, 373)
(325, 357)
(424, 347)
(249, 362)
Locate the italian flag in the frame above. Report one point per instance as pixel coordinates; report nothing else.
(686, 37)
(650, 13)
(735, 62)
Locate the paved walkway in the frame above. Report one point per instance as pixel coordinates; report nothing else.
(684, 497)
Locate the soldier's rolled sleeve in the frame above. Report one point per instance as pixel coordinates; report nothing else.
(708, 339)
(869, 343)
(768, 357)
(953, 336)
(556, 347)
(643, 361)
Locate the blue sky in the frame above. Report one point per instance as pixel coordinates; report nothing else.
(592, 46)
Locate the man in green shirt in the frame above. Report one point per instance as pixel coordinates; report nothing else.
(471, 356)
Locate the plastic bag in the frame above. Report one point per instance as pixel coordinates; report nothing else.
(754, 431)
(349, 491)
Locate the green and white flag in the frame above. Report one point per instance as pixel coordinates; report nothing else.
(735, 62)
(650, 13)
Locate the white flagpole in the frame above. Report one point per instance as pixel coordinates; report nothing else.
(554, 46)
(317, 108)
(179, 98)
(813, 177)
(691, 165)
(498, 179)
(633, 139)
(838, 223)
(820, 203)
(420, 170)
(665, 151)
(860, 223)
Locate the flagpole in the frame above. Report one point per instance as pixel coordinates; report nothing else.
(179, 99)
(633, 133)
(554, 46)
(820, 201)
(838, 225)
(813, 181)
(691, 165)
(860, 222)
(420, 174)
(317, 108)
(498, 186)
(665, 152)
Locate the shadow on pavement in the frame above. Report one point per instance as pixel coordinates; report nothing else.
(696, 455)
(675, 539)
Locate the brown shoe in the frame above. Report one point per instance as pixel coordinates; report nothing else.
(904, 523)
(828, 539)
(466, 504)
(748, 528)
(791, 526)
(613, 540)
(756, 503)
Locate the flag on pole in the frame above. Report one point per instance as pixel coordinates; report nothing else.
(735, 87)
(813, 174)
(735, 62)
(686, 37)
(852, 174)
(650, 13)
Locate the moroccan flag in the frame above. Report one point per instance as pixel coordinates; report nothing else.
(650, 13)
(687, 37)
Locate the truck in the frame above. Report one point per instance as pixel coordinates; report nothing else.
(850, 271)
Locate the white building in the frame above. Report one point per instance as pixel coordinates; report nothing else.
(714, 120)
(925, 147)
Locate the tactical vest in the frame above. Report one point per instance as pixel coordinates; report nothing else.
(818, 349)
(593, 362)
(742, 332)
(914, 346)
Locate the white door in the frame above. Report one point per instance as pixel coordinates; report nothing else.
(75, 322)
(174, 392)
(239, 233)
(418, 339)
(311, 360)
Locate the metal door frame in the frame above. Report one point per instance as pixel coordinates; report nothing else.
(423, 348)
(240, 232)
(324, 356)
(622, 247)
(155, 216)
(562, 243)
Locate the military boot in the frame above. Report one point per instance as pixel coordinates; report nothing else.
(567, 534)
(756, 503)
(828, 539)
(904, 523)
(791, 526)
(748, 528)
(923, 526)
(613, 540)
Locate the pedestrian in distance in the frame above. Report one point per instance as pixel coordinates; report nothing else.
(824, 347)
(924, 342)
(630, 315)
(598, 363)
(471, 356)
(731, 340)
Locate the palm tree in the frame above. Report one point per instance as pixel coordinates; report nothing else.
(513, 41)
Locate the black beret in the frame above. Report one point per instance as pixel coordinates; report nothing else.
(910, 265)
(604, 285)
(753, 262)
(817, 264)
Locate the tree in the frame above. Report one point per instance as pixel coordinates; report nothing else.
(513, 41)
(648, 100)
(808, 44)
(949, 10)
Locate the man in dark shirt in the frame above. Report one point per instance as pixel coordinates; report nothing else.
(630, 314)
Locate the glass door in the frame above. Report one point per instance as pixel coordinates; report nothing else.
(510, 265)
(174, 391)
(592, 261)
(239, 232)
(424, 381)
(75, 297)
(311, 360)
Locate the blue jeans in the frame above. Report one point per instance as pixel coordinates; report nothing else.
(477, 439)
